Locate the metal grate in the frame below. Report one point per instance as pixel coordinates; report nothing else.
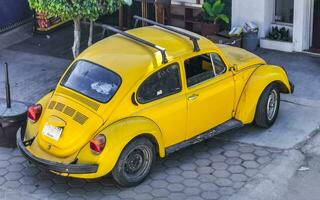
(59, 107)
(69, 111)
(80, 118)
(52, 104)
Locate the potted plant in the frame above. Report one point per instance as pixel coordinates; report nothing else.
(280, 34)
(213, 12)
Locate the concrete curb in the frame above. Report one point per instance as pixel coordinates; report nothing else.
(271, 182)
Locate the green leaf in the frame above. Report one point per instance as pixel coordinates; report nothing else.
(68, 9)
(218, 7)
(224, 18)
(213, 11)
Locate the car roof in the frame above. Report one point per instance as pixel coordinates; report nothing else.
(128, 57)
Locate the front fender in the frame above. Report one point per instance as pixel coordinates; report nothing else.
(118, 135)
(259, 80)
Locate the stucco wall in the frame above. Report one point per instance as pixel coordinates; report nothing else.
(256, 11)
(262, 12)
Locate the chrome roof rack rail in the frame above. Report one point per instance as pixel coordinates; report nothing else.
(194, 39)
(135, 38)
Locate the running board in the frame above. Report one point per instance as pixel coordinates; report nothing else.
(227, 126)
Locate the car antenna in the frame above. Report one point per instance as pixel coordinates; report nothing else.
(7, 85)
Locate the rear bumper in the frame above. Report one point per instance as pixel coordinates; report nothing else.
(54, 166)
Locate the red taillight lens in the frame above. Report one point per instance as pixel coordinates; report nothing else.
(34, 112)
(97, 144)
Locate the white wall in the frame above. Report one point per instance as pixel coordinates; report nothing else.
(257, 11)
(262, 12)
(247, 10)
(269, 12)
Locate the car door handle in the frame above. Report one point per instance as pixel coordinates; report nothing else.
(193, 97)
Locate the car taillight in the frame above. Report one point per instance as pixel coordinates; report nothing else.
(97, 144)
(34, 112)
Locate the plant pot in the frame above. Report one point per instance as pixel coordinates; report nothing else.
(276, 45)
(209, 28)
(164, 2)
(11, 120)
(250, 41)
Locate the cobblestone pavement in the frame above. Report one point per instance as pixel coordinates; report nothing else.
(212, 169)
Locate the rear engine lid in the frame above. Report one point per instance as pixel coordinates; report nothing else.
(66, 126)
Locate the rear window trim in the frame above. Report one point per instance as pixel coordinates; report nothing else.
(98, 65)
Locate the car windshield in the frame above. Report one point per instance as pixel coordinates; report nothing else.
(92, 81)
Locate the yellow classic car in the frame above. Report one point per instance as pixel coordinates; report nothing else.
(146, 93)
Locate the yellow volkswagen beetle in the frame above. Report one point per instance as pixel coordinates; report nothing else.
(145, 93)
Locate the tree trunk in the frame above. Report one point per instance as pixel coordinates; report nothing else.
(77, 37)
(90, 34)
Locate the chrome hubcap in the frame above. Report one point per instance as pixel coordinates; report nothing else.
(272, 104)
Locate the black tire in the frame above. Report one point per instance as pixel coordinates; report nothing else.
(265, 116)
(135, 162)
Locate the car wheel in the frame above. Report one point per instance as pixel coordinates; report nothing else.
(134, 163)
(268, 107)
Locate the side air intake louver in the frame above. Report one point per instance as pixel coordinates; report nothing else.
(51, 105)
(80, 118)
(59, 107)
(77, 116)
(69, 111)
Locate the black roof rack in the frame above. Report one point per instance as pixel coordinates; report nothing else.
(191, 37)
(135, 38)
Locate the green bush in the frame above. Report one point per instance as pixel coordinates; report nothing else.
(281, 34)
(76, 10)
(214, 10)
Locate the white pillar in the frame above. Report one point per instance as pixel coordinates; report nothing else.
(302, 24)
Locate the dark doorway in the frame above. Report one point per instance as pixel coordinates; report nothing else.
(316, 26)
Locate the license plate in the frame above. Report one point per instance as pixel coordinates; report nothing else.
(52, 132)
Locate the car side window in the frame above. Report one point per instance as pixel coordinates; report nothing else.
(218, 63)
(203, 67)
(198, 69)
(163, 83)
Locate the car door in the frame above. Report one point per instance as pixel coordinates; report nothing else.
(162, 99)
(209, 93)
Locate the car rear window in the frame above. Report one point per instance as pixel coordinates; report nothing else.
(92, 80)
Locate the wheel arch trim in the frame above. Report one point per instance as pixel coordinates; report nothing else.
(261, 78)
(118, 135)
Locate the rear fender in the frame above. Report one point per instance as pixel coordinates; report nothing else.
(118, 135)
(32, 128)
(260, 79)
